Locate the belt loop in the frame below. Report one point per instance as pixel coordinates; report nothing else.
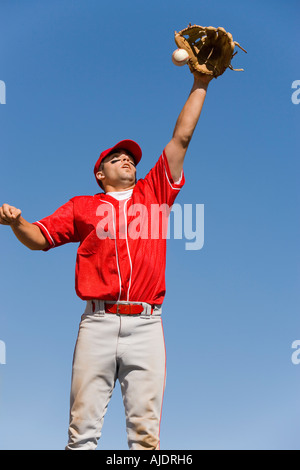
(157, 310)
(100, 310)
(147, 310)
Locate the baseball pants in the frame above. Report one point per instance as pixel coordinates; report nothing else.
(128, 348)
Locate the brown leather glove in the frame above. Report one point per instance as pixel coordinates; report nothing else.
(210, 49)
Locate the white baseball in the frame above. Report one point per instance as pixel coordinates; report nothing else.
(180, 57)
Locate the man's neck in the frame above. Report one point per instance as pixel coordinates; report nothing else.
(114, 189)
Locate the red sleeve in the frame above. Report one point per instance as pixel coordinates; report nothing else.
(162, 183)
(59, 228)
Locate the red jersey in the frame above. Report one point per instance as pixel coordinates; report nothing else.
(122, 244)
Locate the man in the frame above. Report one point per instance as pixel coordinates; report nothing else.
(120, 273)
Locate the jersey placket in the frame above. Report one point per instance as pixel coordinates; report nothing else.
(123, 253)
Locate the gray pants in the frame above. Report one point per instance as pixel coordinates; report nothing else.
(129, 348)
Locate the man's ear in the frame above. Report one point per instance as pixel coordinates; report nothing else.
(99, 175)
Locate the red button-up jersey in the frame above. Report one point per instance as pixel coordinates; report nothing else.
(122, 250)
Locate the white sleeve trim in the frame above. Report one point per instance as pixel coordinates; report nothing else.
(47, 232)
(177, 189)
(179, 181)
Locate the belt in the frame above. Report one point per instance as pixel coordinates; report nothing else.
(124, 308)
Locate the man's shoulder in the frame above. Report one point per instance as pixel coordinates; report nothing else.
(86, 198)
(157, 165)
(85, 202)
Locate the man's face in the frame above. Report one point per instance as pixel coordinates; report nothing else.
(118, 171)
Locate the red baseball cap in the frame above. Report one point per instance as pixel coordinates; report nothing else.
(129, 145)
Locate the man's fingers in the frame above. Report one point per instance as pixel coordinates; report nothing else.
(2, 213)
(6, 211)
(9, 214)
(3, 218)
(15, 213)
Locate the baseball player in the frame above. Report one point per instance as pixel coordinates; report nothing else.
(120, 274)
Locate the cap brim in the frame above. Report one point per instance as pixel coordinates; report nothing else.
(131, 146)
(127, 144)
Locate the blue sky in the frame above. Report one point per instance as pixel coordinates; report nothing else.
(82, 75)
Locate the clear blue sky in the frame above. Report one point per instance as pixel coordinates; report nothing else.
(82, 75)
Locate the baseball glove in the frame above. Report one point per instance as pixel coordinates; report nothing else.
(210, 49)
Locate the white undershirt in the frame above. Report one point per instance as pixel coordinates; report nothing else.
(121, 195)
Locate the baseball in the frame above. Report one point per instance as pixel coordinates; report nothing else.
(180, 57)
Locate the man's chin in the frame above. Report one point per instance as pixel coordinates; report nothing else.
(128, 181)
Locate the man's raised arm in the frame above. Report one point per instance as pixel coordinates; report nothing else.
(186, 123)
(28, 234)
